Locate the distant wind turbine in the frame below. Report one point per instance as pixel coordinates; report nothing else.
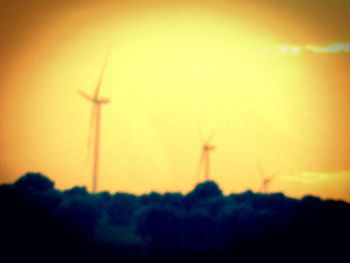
(95, 123)
(204, 161)
(266, 179)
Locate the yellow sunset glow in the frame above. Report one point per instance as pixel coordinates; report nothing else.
(168, 70)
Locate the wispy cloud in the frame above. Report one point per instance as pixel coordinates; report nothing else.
(311, 177)
(334, 48)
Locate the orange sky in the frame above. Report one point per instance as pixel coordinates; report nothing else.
(171, 66)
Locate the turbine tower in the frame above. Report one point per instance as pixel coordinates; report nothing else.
(266, 179)
(95, 123)
(204, 161)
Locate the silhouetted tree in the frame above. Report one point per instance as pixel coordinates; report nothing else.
(171, 227)
(80, 212)
(160, 227)
(121, 208)
(206, 190)
(151, 198)
(199, 229)
(175, 200)
(33, 182)
(77, 191)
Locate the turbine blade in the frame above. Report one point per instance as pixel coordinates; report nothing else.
(85, 95)
(200, 135)
(211, 136)
(103, 69)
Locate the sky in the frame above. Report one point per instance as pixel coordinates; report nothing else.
(269, 78)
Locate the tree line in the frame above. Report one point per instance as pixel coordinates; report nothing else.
(42, 223)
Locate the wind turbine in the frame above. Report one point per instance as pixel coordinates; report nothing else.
(95, 123)
(266, 179)
(204, 161)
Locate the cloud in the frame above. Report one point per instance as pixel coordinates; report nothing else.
(311, 177)
(333, 48)
(326, 175)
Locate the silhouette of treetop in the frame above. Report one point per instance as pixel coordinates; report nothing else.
(34, 182)
(208, 189)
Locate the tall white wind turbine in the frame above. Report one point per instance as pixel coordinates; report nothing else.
(204, 161)
(95, 123)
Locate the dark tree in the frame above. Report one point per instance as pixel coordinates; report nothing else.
(160, 227)
(206, 190)
(121, 208)
(33, 182)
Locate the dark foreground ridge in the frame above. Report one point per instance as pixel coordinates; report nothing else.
(42, 224)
